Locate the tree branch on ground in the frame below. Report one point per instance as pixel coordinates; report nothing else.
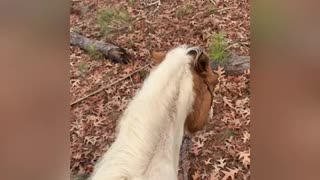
(109, 85)
(108, 50)
(234, 65)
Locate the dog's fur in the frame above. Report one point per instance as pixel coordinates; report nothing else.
(150, 131)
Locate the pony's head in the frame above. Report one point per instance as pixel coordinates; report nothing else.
(204, 82)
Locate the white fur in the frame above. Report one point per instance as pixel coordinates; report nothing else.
(150, 130)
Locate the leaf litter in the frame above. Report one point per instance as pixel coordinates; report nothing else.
(222, 149)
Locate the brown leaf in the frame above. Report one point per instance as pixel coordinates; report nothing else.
(244, 156)
(196, 175)
(231, 173)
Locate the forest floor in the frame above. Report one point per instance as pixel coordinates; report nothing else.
(222, 150)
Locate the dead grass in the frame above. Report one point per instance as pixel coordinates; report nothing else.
(184, 10)
(112, 19)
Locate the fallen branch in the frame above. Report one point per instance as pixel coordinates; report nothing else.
(234, 65)
(108, 50)
(109, 85)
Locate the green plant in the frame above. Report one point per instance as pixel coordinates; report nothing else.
(218, 49)
(94, 53)
(184, 10)
(111, 19)
(131, 2)
(83, 68)
(226, 135)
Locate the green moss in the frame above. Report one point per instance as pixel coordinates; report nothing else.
(131, 2)
(94, 53)
(226, 135)
(83, 68)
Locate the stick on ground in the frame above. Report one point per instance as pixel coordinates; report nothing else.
(234, 65)
(109, 85)
(110, 51)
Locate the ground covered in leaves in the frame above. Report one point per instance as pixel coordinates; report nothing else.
(222, 149)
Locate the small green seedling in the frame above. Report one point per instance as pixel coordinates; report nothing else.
(112, 19)
(184, 10)
(218, 49)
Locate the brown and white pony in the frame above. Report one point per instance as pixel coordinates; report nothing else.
(176, 97)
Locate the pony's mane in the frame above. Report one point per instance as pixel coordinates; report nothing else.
(163, 102)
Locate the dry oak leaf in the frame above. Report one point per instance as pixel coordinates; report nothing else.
(77, 156)
(225, 119)
(215, 174)
(128, 70)
(91, 139)
(196, 175)
(229, 173)
(220, 71)
(195, 150)
(227, 102)
(246, 136)
(208, 161)
(221, 162)
(202, 137)
(242, 102)
(199, 144)
(236, 122)
(244, 157)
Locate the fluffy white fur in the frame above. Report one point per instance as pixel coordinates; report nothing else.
(151, 129)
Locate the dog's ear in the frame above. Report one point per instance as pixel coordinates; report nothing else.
(158, 57)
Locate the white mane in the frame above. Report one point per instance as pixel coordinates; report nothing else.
(151, 129)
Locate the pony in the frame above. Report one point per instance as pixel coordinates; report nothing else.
(174, 99)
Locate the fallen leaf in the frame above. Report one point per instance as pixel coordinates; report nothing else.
(231, 173)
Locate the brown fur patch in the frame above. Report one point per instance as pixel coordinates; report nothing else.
(158, 57)
(201, 107)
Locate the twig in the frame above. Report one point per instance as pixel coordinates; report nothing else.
(109, 85)
(157, 2)
(226, 8)
(154, 3)
(239, 63)
(213, 2)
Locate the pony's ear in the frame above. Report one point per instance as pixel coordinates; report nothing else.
(158, 57)
(201, 64)
(194, 53)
